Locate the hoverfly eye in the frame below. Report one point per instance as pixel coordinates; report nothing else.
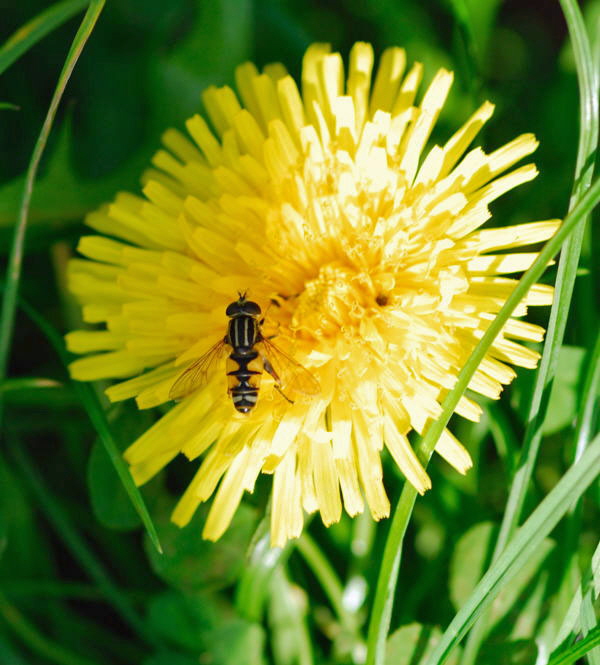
(234, 309)
(251, 308)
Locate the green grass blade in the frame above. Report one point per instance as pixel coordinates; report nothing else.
(80, 550)
(29, 34)
(589, 394)
(589, 623)
(13, 273)
(85, 392)
(96, 414)
(28, 383)
(565, 282)
(329, 581)
(567, 269)
(386, 583)
(38, 643)
(526, 539)
(571, 621)
(591, 640)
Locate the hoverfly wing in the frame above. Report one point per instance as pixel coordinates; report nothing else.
(197, 373)
(290, 376)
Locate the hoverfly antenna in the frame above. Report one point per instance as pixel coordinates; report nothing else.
(242, 294)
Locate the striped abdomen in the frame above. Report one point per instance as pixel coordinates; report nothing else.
(243, 375)
(244, 367)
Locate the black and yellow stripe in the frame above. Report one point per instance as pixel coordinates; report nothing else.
(244, 368)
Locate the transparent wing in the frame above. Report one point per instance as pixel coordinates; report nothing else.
(290, 376)
(197, 373)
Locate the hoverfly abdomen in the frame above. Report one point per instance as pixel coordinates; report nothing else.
(243, 374)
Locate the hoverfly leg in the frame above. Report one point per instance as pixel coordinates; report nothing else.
(278, 389)
(269, 368)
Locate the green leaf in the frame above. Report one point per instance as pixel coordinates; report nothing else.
(7, 106)
(5, 492)
(219, 39)
(236, 642)
(110, 502)
(567, 268)
(412, 644)
(470, 559)
(30, 33)
(192, 564)
(60, 195)
(475, 21)
(199, 623)
(185, 620)
(563, 404)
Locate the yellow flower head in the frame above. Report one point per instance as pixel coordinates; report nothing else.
(362, 249)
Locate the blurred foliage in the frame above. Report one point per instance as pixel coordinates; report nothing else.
(141, 72)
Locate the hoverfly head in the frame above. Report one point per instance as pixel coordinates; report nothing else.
(243, 307)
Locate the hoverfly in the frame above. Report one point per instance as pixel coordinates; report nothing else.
(251, 353)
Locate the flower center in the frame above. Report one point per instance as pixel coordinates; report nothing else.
(338, 300)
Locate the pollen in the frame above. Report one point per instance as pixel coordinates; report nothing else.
(361, 242)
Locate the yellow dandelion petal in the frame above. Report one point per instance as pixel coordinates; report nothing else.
(357, 280)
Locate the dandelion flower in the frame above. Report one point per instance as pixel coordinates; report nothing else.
(328, 203)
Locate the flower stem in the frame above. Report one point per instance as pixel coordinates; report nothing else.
(387, 580)
(324, 572)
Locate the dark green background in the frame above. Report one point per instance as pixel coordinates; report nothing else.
(141, 72)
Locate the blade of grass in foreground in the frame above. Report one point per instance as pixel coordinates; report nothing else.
(38, 643)
(29, 34)
(13, 273)
(591, 640)
(85, 392)
(565, 279)
(96, 414)
(565, 282)
(80, 550)
(585, 595)
(381, 614)
(388, 575)
(527, 538)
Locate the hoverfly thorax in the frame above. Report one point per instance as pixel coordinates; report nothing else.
(243, 331)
